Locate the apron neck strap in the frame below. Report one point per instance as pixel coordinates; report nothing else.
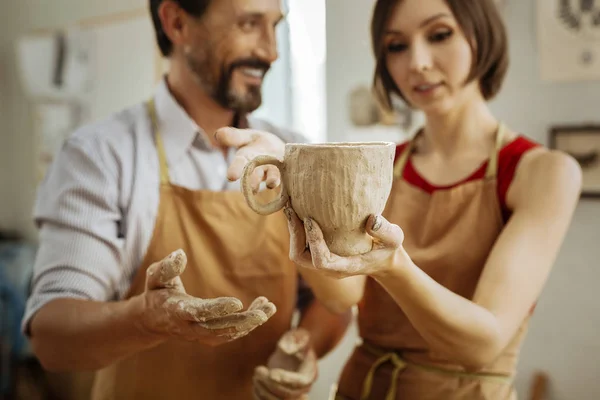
(492, 167)
(160, 147)
(492, 164)
(403, 158)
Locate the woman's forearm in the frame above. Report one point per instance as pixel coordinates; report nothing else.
(451, 324)
(71, 334)
(326, 328)
(337, 295)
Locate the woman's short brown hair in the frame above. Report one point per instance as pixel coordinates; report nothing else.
(478, 19)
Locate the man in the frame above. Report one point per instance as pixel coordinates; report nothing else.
(148, 255)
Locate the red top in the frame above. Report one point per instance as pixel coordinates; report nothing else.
(508, 159)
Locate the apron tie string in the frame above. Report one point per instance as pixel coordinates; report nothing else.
(399, 364)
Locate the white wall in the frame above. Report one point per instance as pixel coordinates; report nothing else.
(350, 64)
(563, 336)
(17, 162)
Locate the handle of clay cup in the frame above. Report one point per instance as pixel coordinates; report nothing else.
(273, 206)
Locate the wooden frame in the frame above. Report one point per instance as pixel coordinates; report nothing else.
(583, 143)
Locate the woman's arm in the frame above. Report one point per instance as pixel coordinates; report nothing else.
(543, 198)
(326, 329)
(544, 194)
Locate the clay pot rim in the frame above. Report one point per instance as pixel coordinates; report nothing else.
(331, 145)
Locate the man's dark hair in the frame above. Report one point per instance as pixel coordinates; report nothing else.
(197, 8)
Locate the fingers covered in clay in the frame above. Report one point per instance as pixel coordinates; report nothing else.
(295, 343)
(224, 329)
(241, 322)
(386, 233)
(291, 369)
(260, 392)
(333, 265)
(298, 253)
(268, 387)
(263, 304)
(194, 309)
(166, 272)
(295, 379)
(321, 256)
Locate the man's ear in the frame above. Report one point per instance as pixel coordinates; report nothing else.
(172, 19)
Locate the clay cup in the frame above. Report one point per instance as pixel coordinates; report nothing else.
(338, 185)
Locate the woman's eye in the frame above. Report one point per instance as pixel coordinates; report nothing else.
(396, 47)
(440, 36)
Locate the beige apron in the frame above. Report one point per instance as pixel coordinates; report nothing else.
(449, 235)
(231, 251)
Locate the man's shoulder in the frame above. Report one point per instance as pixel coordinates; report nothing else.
(285, 134)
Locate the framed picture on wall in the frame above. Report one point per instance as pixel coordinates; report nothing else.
(582, 142)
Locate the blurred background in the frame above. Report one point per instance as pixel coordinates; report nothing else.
(64, 63)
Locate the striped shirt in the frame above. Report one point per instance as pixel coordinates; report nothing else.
(97, 205)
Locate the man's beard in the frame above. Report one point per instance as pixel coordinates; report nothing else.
(220, 87)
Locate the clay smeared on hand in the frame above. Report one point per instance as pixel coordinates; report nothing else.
(172, 266)
(263, 304)
(245, 322)
(295, 343)
(240, 322)
(194, 309)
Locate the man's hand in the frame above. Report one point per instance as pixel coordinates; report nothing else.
(169, 312)
(250, 144)
(290, 371)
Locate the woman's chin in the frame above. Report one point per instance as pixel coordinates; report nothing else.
(436, 109)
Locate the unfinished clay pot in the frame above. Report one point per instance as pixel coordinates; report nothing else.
(339, 185)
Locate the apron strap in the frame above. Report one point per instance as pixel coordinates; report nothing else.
(492, 168)
(160, 147)
(403, 158)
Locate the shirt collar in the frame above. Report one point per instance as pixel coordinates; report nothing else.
(178, 131)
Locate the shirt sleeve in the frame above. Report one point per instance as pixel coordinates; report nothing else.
(78, 216)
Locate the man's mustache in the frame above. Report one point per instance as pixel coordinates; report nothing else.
(250, 63)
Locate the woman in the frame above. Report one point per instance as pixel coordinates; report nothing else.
(474, 222)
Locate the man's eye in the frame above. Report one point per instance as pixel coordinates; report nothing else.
(249, 24)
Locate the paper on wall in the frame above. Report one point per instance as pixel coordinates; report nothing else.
(56, 64)
(569, 39)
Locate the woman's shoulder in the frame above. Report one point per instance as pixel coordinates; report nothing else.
(530, 153)
(534, 168)
(514, 147)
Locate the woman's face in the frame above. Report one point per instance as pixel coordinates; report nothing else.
(428, 56)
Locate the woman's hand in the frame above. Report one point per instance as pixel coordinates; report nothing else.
(309, 250)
